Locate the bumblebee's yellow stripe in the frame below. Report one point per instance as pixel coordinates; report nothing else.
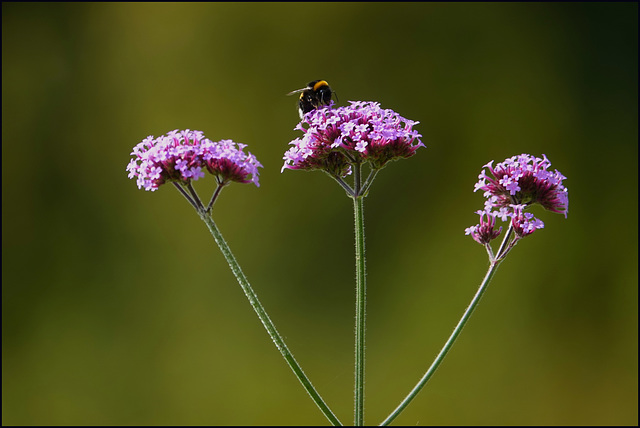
(319, 85)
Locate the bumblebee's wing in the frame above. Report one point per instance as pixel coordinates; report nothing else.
(297, 91)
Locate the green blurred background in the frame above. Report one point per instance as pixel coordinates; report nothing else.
(118, 308)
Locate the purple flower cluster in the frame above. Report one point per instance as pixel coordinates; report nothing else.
(362, 132)
(510, 188)
(484, 232)
(186, 155)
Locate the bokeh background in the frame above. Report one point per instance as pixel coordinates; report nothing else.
(118, 308)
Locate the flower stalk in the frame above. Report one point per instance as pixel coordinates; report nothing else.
(266, 321)
(493, 266)
(257, 306)
(361, 292)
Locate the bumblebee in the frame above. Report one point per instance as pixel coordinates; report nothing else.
(316, 94)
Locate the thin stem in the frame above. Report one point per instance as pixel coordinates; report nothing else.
(214, 196)
(369, 180)
(343, 184)
(184, 193)
(195, 196)
(489, 251)
(266, 322)
(502, 252)
(361, 291)
(443, 352)
(350, 158)
(357, 182)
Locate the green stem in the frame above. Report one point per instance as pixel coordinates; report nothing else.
(367, 183)
(214, 196)
(502, 252)
(268, 324)
(493, 266)
(184, 193)
(195, 196)
(361, 289)
(342, 184)
(357, 182)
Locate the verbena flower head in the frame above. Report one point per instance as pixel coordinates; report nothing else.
(336, 137)
(524, 180)
(510, 188)
(186, 155)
